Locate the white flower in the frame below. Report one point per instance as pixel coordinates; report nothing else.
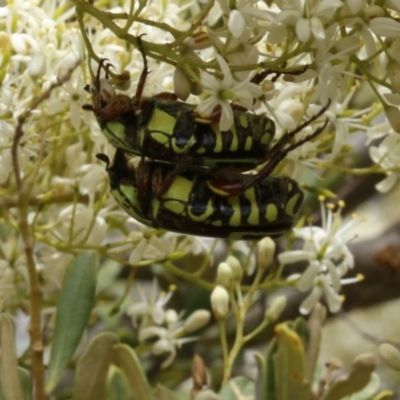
(386, 27)
(387, 155)
(71, 97)
(328, 257)
(81, 224)
(307, 16)
(94, 178)
(246, 17)
(153, 248)
(167, 342)
(14, 277)
(220, 302)
(151, 309)
(5, 154)
(223, 92)
(242, 248)
(153, 321)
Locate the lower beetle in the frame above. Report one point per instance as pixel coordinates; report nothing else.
(158, 195)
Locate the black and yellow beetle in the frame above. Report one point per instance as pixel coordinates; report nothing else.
(164, 129)
(167, 130)
(157, 195)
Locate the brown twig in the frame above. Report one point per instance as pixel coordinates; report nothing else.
(27, 237)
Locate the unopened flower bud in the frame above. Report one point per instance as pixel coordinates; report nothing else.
(220, 302)
(393, 116)
(385, 27)
(374, 11)
(236, 267)
(355, 6)
(37, 66)
(393, 69)
(390, 355)
(197, 320)
(107, 90)
(276, 308)
(295, 110)
(171, 316)
(303, 30)
(182, 86)
(268, 88)
(394, 50)
(199, 374)
(236, 24)
(199, 41)
(266, 252)
(224, 275)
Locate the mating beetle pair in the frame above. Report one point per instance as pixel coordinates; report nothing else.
(190, 179)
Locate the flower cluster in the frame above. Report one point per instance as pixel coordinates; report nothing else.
(328, 257)
(286, 59)
(163, 326)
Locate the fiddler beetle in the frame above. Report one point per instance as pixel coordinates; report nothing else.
(164, 129)
(183, 201)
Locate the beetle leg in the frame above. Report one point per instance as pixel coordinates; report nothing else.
(170, 176)
(259, 77)
(278, 156)
(165, 96)
(145, 71)
(226, 184)
(285, 139)
(215, 116)
(102, 65)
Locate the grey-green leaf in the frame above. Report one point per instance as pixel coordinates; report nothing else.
(117, 385)
(290, 366)
(132, 367)
(73, 311)
(356, 379)
(26, 383)
(237, 389)
(92, 368)
(162, 393)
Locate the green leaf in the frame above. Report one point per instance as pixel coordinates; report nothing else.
(238, 388)
(132, 367)
(73, 311)
(384, 395)
(9, 375)
(108, 274)
(261, 384)
(368, 391)
(300, 326)
(290, 366)
(269, 374)
(92, 367)
(162, 393)
(26, 383)
(117, 385)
